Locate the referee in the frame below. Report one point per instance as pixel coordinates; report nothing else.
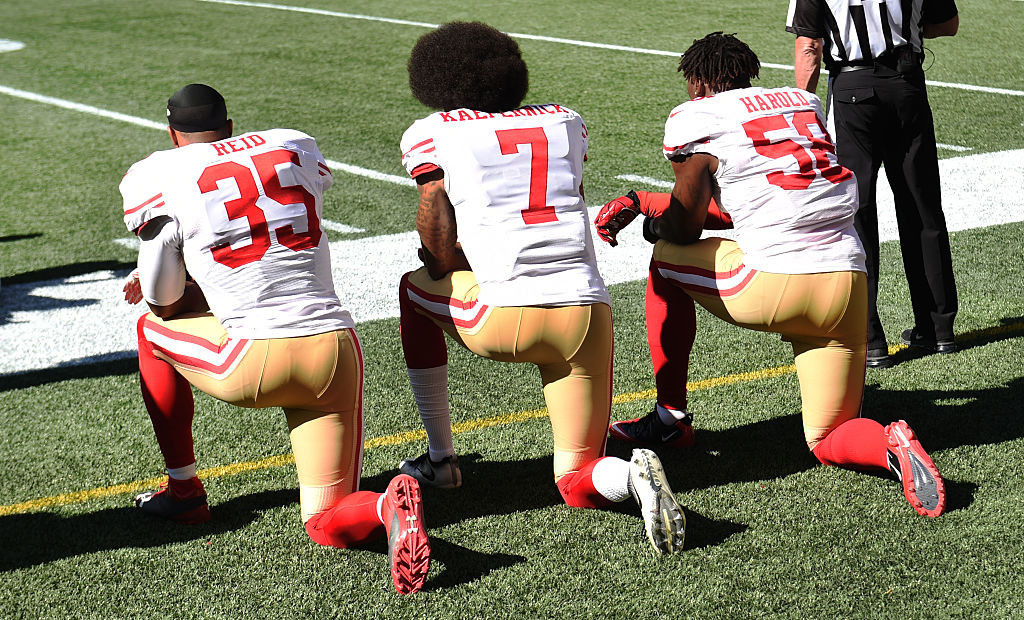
(880, 113)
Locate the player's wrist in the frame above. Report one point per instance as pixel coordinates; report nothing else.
(651, 204)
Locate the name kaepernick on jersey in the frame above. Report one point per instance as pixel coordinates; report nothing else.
(791, 203)
(515, 180)
(242, 216)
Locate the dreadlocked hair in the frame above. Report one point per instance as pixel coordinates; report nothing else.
(468, 65)
(721, 62)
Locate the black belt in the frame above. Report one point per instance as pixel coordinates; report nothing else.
(902, 59)
(846, 68)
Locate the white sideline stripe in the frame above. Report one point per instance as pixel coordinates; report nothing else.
(339, 227)
(953, 147)
(132, 243)
(7, 45)
(536, 37)
(373, 174)
(980, 89)
(636, 178)
(135, 120)
(81, 107)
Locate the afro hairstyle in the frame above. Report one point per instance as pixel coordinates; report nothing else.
(468, 65)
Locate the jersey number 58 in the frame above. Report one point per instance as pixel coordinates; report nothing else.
(812, 160)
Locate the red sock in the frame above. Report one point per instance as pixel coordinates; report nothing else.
(577, 488)
(671, 328)
(168, 399)
(859, 444)
(352, 521)
(422, 340)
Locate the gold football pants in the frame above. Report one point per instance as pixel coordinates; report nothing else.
(317, 380)
(823, 315)
(570, 345)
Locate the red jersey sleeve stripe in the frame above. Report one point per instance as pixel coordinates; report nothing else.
(423, 169)
(143, 204)
(416, 146)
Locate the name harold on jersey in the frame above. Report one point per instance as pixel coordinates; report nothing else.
(769, 101)
(526, 110)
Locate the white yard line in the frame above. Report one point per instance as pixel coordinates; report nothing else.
(7, 45)
(339, 227)
(636, 178)
(578, 43)
(142, 122)
(81, 107)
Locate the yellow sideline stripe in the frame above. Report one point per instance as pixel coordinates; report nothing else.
(462, 427)
(376, 442)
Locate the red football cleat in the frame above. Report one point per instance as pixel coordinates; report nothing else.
(922, 483)
(408, 544)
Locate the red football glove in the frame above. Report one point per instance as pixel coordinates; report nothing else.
(615, 216)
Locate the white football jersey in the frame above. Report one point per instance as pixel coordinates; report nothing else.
(792, 204)
(515, 179)
(246, 215)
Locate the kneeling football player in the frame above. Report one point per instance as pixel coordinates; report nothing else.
(260, 325)
(796, 267)
(522, 286)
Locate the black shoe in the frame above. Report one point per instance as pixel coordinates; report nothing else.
(912, 338)
(443, 474)
(879, 358)
(649, 430)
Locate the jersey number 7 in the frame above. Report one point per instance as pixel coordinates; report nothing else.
(245, 206)
(537, 211)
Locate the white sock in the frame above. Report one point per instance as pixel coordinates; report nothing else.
(669, 416)
(430, 389)
(611, 478)
(380, 503)
(187, 472)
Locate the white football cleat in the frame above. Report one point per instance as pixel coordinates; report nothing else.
(664, 520)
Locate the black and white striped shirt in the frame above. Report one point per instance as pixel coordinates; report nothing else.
(857, 31)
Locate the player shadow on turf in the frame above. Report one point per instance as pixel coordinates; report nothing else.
(62, 272)
(763, 451)
(9, 238)
(508, 487)
(40, 537)
(1009, 327)
(17, 298)
(82, 368)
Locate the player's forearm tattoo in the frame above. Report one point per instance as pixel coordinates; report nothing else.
(436, 225)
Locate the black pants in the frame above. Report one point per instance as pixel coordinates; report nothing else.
(882, 116)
